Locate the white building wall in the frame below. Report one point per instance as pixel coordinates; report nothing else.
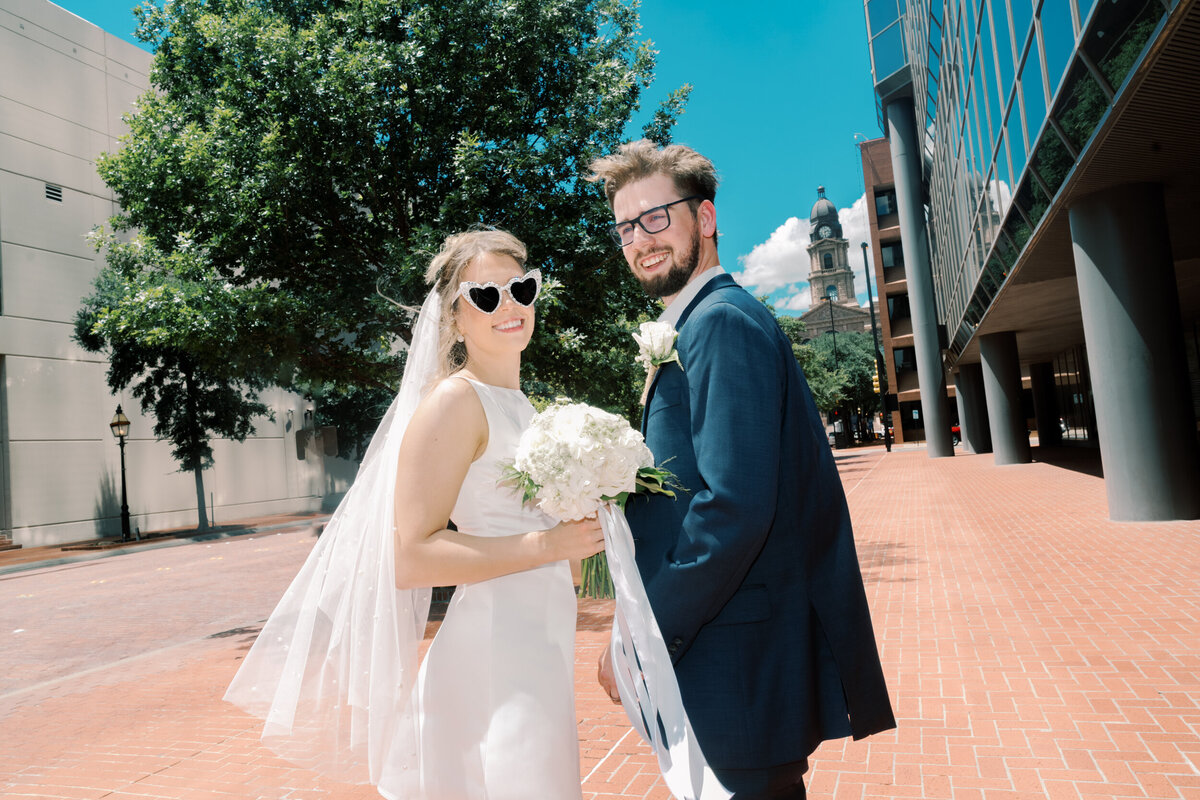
(64, 85)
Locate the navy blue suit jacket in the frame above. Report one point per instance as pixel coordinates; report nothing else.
(751, 570)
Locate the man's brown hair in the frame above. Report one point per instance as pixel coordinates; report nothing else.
(692, 173)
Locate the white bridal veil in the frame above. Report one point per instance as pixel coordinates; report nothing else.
(333, 669)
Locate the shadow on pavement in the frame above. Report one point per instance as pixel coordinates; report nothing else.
(876, 556)
(1077, 459)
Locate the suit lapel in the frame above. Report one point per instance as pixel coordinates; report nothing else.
(721, 281)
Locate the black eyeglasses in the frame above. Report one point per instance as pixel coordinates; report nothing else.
(485, 297)
(654, 220)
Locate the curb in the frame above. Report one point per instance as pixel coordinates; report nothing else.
(175, 541)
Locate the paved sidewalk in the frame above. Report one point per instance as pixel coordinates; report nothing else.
(1032, 649)
(25, 558)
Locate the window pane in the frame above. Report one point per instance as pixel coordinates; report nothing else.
(970, 22)
(1117, 35)
(1082, 104)
(1085, 6)
(985, 226)
(1051, 161)
(882, 13)
(885, 202)
(979, 98)
(888, 48)
(1001, 188)
(995, 100)
(1016, 144)
(1006, 253)
(1004, 50)
(1033, 93)
(966, 37)
(1058, 34)
(985, 67)
(969, 168)
(1022, 17)
(1017, 228)
(987, 287)
(891, 256)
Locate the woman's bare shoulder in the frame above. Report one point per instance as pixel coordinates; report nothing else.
(451, 400)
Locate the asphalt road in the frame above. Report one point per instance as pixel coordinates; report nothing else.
(92, 617)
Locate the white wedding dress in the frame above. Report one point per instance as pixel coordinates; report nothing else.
(494, 700)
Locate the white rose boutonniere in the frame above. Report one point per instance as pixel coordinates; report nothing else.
(656, 346)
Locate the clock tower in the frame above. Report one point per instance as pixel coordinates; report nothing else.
(829, 271)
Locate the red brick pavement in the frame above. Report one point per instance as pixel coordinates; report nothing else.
(1032, 648)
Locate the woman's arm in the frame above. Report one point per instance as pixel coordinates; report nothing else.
(447, 433)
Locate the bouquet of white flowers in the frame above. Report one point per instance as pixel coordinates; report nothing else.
(572, 459)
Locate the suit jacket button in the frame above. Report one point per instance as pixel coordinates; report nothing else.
(674, 646)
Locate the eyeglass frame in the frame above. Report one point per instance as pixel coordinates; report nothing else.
(616, 234)
(464, 288)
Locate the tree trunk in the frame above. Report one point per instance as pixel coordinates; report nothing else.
(202, 525)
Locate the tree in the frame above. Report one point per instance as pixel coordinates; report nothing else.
(311, 155)
(856, 365)
(191, 398)
(825, 383)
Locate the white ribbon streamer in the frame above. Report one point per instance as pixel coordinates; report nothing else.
(645, 677)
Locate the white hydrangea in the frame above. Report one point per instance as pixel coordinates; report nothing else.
(579, 456)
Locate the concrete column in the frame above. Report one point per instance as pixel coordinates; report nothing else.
(906, 168)
(1134, 335)
(972, 414)
(1045, 404)
(1002, 386)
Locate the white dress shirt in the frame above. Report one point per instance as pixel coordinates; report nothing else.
(675, 310)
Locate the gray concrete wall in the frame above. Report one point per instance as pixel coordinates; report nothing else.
(64, 85)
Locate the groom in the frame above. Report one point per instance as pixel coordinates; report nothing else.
(751, 572)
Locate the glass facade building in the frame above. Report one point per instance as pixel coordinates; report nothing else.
(1053, 183)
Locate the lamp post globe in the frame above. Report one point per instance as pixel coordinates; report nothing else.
(120, 429)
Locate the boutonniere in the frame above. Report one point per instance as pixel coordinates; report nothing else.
(656, 346)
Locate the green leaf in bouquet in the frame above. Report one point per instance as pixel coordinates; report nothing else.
(522, 481)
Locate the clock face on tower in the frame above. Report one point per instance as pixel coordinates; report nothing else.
(825, 231)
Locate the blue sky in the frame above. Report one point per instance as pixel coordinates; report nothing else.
(780, 88)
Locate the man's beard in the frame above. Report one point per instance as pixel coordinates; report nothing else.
(677, 276)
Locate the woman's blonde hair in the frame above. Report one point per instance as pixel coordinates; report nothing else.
(445, 273)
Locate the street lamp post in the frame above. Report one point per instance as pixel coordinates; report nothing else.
(832, 329)
(120, 429)
(875, 345)
(829, 295)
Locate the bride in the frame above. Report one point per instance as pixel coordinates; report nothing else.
(490, 713)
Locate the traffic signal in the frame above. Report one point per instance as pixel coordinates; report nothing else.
(875, 380)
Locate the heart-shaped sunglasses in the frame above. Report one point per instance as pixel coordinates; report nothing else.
(485, 297)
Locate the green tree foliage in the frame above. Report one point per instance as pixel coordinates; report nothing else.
(855, 363)
(310, 155)
(139, 316)
(826, 384)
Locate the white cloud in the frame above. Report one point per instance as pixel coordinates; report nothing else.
(782, 262)
(856, 227)
(778, 261)
(1001, 196)
(800, 301)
